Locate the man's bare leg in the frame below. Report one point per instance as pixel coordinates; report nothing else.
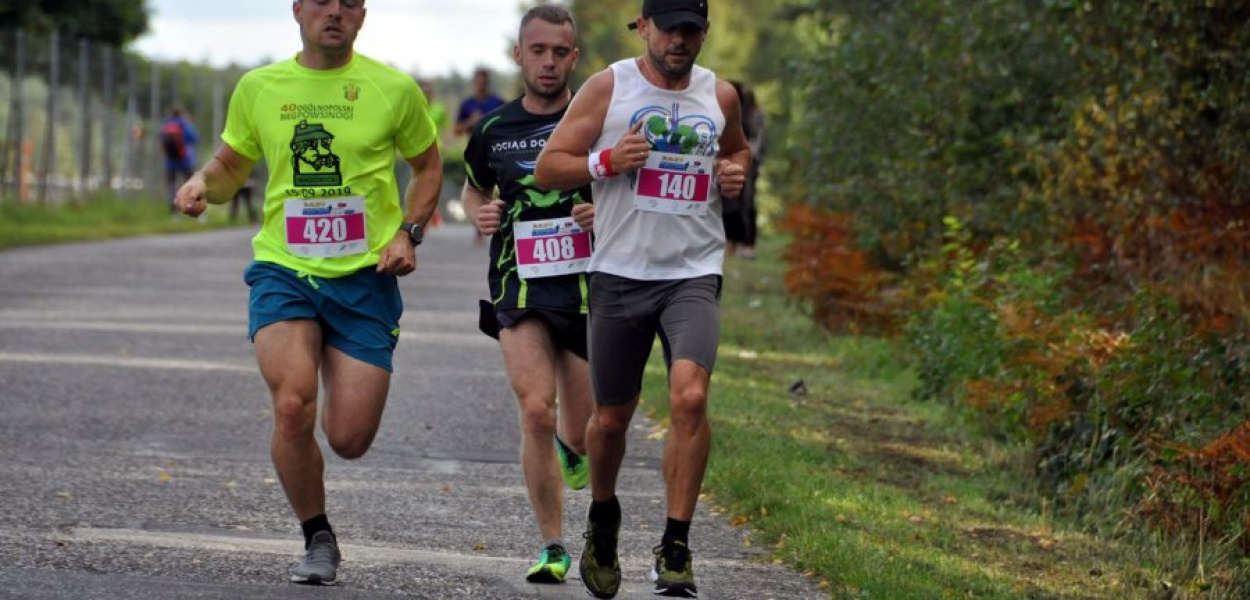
(289, 353)
(356, 394)
(689, 438)
(529, 355)
(576, 403)
(607, 435)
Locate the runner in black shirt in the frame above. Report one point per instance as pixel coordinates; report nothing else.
(500, 155)
(537, 273)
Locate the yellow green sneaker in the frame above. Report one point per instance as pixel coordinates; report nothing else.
(552, 566)
(574, 467)
(673, 572)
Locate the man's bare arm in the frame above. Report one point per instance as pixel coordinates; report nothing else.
(562, 164)
(399, 257)
(734, 159)
(733, 142)
(421, 196)
(482, 210)
(217, 182)
(473, 200)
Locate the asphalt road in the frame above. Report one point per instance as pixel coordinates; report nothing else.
(134, 430)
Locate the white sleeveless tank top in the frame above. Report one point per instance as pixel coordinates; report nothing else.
(645, 245)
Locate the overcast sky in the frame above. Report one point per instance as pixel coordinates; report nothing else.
(426, 37)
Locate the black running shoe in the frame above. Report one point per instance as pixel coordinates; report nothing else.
(599, 567)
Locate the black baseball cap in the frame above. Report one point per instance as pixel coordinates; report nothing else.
(671, 13)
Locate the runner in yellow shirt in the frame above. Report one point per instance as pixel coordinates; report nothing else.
(324, 295)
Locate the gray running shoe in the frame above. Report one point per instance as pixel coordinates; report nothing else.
(321, 561)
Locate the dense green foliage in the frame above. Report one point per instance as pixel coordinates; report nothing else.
(1060, 192)
(113, 22)
(1017, 116)
(939, 88)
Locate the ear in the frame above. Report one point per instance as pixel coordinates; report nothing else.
(516, 53)
(640, 25)
(577, 55)
(295, 8)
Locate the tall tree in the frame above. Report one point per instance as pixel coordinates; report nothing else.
(114, 22)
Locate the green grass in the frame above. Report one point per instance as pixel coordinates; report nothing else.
(95, 219)
(868, 492)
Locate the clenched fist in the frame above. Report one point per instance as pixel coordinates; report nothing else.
(489, 217)
(192, 197)
(731, 178)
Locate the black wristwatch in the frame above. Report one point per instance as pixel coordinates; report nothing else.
(415, 231)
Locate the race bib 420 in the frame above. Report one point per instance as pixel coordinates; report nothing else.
(326, 228)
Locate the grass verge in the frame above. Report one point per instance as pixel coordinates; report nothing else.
(95, 219)
(819, 450)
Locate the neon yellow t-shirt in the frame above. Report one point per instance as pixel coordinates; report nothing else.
(328, 136)
(440, 118)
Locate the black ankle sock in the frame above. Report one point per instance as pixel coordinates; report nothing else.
(606, 513)
(313, 525)
(676, 531)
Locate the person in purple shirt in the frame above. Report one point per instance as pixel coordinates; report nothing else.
(178, 138)
(473, 108)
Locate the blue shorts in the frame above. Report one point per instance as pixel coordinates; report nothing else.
(358, 313)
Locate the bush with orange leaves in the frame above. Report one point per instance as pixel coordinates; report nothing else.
(1204, 490)
(832, 276)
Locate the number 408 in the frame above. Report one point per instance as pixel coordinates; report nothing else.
(553, 249)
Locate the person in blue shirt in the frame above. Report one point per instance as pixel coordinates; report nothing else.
(473, 108)
(178, 138)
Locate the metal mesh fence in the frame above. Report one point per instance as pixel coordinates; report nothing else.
(79, 118)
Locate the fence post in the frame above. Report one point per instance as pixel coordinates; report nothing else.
(132, 122)
(49, 144)
(152, 139)
(197, 93)
(84, 115)
(107, 135)
(17, 128)
(175, 98)
(219, 92)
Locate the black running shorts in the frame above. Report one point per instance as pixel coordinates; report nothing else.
(568, 329)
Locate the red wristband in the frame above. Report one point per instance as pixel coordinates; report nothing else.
(601, 164)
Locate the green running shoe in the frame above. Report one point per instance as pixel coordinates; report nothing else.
(673, 572)
(574, 467)
(599, 567)
(552, 566)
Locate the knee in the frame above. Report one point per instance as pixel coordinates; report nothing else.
(688, 407)
(294, 416)
(350, 447)
(538, 417)
(611, 424)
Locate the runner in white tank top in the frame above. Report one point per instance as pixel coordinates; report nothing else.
(660, 140)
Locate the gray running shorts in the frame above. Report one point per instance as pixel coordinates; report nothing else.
(627, 314)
